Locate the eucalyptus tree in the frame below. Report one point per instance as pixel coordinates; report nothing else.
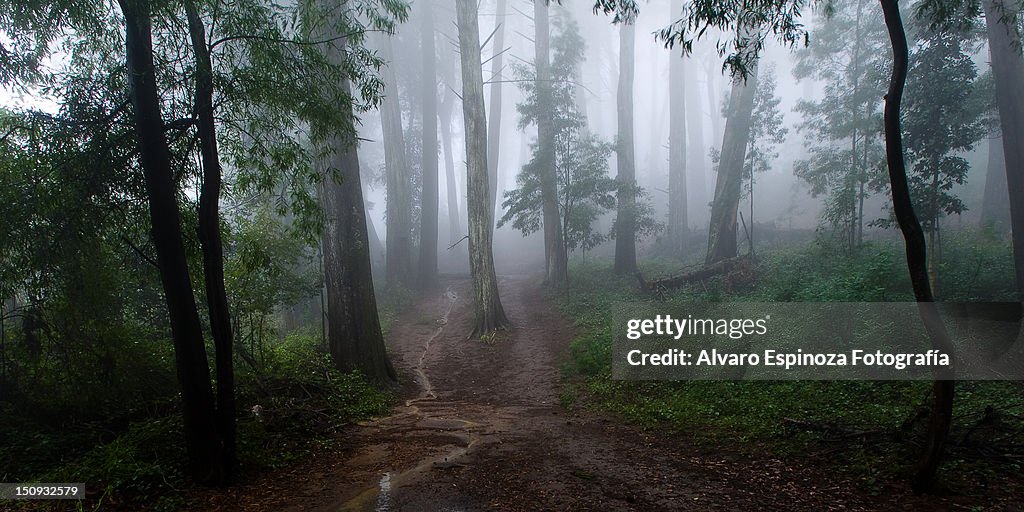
(494, 117)
(556, 267)
(427, 263)
(398, 177)
(766, 133)
(845, 131)
(677, 226)
(625, 152)
(489, 314)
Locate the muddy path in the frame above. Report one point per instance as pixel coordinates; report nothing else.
(480, 427)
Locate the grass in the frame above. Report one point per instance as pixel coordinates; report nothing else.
(805, 418)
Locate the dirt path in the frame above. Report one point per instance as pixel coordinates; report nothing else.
(482, 429)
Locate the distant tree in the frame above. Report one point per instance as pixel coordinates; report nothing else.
(427, 274)
(489, 316)
(943, 120)
(398, 176)
(844, 127)
(625, 152)
(677, 226)
(766, 132)
(494, 119)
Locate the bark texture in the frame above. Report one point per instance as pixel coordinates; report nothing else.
(186, 331)
(625, 220)
(490, 316)
(941, 413)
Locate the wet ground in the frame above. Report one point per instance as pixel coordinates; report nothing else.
(480, 428)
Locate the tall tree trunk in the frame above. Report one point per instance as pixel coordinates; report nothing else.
(494, 126)
(677, 218)
(729, 183)
(490, 316)
(428, 202)
(625, 220)
(1008, 72)
(213, 253)
(556, 267)
(903, 208)
(454, 224)
(398, 182)
(995, 204)
(697, 168)
(197, 399)
(714, 107)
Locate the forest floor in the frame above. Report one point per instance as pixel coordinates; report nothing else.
(481, 427)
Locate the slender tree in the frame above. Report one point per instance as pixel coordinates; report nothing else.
(490, 316)
(198, 408)
(729, 184)
(427, 275)
(398, 245)
(556, 266)
(494, 119)
(210, 239)
(1008, 72)
(445, 118)
(625, 220)
(678, 226)
(941, 413)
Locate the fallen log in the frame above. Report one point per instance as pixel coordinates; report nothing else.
(708, 271)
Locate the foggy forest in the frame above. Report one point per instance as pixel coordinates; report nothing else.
(375, 254)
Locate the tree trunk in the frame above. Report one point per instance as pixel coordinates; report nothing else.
(494, 126)
(625, 220)
(454, 224)
(729, 183)
(903, 208)
(556, 268)
(677, 218)
(398, 245)
(696, 153)
(186, 330)
(428, 201)
(995, 205)
(490, 316)
(213, 253)
(1008, 72)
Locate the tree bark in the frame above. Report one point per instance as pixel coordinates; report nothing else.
(729, 183)
(494, 122)
(490, 316)
(941, 414)
(186, 330)
(1008, 72)
(625, 220)
(556, 267)
(427, 275)
(210, 240)
(677, 193)
(454, 223)
(398, 245)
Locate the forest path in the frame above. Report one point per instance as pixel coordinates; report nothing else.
(481, 428)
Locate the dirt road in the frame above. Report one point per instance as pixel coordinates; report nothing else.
(481, 428)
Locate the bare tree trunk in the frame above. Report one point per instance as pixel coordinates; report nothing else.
(625, 221)
(943, 390)
(677, 218)
(696, 153)
(556, 268)
(428, 202)
(399, 201)
(494, 126)
(995, 205)
(198, 409)
(454, 224)
(210, 240)
(729, 184)
(490, 316)
(1008, 72)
